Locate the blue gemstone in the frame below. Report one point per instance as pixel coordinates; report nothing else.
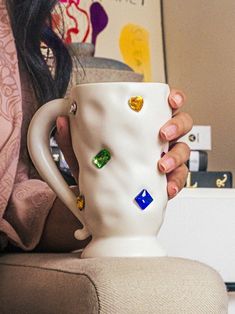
(143, 199)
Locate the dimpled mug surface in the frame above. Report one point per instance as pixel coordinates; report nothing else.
(115, 137)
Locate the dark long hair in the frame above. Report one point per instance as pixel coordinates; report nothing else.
(32, 25)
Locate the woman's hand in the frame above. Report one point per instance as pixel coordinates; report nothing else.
(173, 162)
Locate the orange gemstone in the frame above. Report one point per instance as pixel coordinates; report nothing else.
(80, 202)
(136, 103)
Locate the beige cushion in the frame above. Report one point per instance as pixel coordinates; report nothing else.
(63, 283)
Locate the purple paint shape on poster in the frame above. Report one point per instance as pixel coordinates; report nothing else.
(99, 20)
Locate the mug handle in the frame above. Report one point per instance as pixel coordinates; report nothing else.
(38, 145)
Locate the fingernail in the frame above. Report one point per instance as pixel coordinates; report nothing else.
(169, 132)
(177, 99)
(174, 190)
(166, 164)
(59, 126)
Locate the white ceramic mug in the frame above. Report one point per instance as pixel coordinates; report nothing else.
(115, 137)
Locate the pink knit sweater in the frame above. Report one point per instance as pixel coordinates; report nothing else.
(25, 200)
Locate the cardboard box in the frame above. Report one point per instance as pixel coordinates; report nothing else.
(199, 138)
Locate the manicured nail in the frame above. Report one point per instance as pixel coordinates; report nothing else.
(174, 190)
(166, 164)
(178, 100)
(59, 125)
(169, 132)
(58, 129)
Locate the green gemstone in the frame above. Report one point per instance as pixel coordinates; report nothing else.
(101, 159)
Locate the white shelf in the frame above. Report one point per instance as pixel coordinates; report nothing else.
(205, 193)
(200, 225)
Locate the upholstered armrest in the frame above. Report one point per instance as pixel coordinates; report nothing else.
(63, 283)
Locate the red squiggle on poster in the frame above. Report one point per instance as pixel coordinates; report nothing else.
(73, 16)
(79, 21)
(75, 30)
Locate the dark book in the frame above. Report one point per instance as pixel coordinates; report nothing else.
(62, 165)
(198, 161)
(209, 179)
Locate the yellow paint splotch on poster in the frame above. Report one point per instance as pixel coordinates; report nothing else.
(135, 50)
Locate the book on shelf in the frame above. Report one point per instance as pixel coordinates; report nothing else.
(209, 179)
(61, 163)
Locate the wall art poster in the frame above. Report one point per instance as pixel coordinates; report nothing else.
(125, 30)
